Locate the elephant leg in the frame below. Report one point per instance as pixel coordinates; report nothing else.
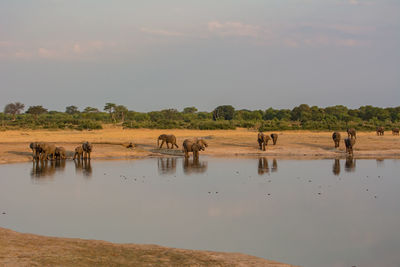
(167, 144)
(176, 145)
(162, 143)
(89, 155)
(186, 154)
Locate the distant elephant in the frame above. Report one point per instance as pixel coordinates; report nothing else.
(351, 133)
(336, 138)
(274, 137)
(87, 149)
(168, 139)
(349, 142)
(47, 150)
(262, 140)
(78, 153)
(380, 130)
(60, 153)
(194, 146)
(395, 131)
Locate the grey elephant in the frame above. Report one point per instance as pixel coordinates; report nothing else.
(78, 153)
(195, 146)
(351, 133)
(349, 143)
(336, 139)
(60, 153)
(47, 150)
(262, 140)
(168, 139)
(395, 131)
(34, 146)
(380, 131)
(87, 149)
(274, 137)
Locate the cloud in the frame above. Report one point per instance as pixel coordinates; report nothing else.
(161, 32)
(237, 29)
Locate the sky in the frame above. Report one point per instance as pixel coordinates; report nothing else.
(153, 55)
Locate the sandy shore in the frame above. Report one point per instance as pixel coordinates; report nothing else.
(109, 143)
(18, 249)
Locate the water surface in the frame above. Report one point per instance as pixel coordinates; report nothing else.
(309, 212)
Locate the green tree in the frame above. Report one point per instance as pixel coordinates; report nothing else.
(91, 110)
(189, 110)
(121, 112)
(36, 111)
(14, 109)
(225, 112)
(110, 108)
(71, 110)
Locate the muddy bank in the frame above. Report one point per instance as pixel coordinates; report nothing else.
(110, 143)
(18, 249)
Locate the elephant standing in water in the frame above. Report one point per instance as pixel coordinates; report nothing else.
(83, 151)
(78, 153)
(351, 133)
(274, 137)
(262, 140)
(47, 150)
(194, 146)
(60, 153)
(349, 143)
(380, 131)
(168, 139)
(35, 150)
(336, 139)
(395, 131)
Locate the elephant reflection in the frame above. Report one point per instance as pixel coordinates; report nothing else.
(83, 166)
(166, 165)
(350, 164)
(274, 165)
(194, 166)
(336, 167)
(263, 166)
(42, 168)
(379, 162)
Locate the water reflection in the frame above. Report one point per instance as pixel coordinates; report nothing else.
(379, 162)
(194, 166)
(274, 165)
(350, 165)
(41, 169)
(263, 166)
(166, 166)
(336, 167)
(84, 167)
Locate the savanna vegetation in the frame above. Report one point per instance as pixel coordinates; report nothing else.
(222, 117)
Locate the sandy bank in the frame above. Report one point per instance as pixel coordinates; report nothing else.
(18, 249)
(14, 145)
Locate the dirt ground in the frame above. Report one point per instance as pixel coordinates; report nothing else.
(110, 142)
(18, 249)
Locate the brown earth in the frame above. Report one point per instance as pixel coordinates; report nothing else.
(110, 143)
(18, 249)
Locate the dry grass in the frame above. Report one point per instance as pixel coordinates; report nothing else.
(18, 249)
(109, 143)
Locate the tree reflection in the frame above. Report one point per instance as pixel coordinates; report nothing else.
(194, 166)
(166, 165)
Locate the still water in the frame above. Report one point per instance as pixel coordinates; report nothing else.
(308, 212)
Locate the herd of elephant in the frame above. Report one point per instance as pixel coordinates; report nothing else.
(45, 151)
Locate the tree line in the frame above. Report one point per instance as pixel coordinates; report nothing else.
(222, 117)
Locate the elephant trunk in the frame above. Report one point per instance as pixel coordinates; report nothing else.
(158, 142)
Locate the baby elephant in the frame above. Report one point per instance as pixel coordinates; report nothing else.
(349, 142)
(168, 139)
(336, 138)
(274, 137)
(262, 140)
(78, 153)
(60, 153)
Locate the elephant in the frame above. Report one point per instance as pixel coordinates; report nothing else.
(60, 153)
(35, 150)
(87, 149)
(262, 140)
(78, 153)
(395, 131)
(274, 137)
(351, 132)
(380, 130)
(47, 150)
(168, 139)
(194, 146)
(349, 142)
(336, 139)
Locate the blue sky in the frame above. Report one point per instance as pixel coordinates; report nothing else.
(151, 55)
